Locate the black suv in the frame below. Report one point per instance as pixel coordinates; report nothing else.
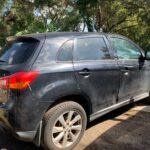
(52, 85)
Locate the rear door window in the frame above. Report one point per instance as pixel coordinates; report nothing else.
(17, 52)
(91, 49)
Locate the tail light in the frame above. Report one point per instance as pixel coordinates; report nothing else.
(18, 81)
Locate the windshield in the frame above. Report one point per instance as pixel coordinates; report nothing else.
(17, 52)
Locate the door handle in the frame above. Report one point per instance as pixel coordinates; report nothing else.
(85, 72)
(126, 68)
(125, 71)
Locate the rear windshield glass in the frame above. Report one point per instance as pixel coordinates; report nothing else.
(17, 52)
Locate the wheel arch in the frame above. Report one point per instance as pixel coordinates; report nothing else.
(84, 101)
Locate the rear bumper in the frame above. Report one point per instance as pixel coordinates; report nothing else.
(26, 135)
(22, 114)
(4, 123)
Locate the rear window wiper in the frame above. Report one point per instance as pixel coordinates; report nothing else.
(2, 61)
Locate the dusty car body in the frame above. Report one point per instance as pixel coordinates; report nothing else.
(100, 72)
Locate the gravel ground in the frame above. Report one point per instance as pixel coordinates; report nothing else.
(124, 129)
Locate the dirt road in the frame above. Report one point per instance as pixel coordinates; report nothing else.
(127, 128)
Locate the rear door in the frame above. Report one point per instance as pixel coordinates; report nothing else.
(96, 72)
(134, 70)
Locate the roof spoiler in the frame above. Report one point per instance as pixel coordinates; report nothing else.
(22, 38)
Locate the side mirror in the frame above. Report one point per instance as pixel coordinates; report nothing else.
(147, 55)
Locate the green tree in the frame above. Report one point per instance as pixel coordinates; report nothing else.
(127, 17)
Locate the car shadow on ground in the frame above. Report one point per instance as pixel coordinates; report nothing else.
(119, 111)
(130, 134)
(112, 139)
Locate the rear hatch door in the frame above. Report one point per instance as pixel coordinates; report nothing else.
(15, 57)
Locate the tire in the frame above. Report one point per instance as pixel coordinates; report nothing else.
(56, 131)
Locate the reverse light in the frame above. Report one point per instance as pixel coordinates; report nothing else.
(19, 80)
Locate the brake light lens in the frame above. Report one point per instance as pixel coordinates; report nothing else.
(18, 81)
